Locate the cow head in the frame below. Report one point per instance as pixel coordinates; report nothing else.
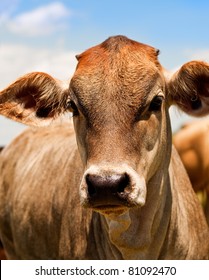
(119, 98)
(119, 105)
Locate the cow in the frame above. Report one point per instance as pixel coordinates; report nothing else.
(192, 142)
(110, 186)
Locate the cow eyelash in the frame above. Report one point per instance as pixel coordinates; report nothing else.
(156, 103)
(71, 106)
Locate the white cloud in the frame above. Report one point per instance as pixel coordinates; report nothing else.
(41, 21)
(16, 60)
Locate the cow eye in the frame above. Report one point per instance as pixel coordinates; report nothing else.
(156, 103)
(71, 106)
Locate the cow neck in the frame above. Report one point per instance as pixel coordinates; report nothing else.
(139, 233)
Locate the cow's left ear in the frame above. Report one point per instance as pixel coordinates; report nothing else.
(34, 99)
(188, 88)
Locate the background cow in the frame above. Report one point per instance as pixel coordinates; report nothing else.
(129, 175)
(192, 143)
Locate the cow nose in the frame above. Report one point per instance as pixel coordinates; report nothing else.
(108, 184)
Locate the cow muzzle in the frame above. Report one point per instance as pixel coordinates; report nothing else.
(112, 189)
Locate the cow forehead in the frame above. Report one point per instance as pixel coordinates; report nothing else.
(118, 67)
(117, 58)
(118, 49)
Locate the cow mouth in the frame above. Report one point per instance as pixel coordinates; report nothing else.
(115, 205)
(110, 209)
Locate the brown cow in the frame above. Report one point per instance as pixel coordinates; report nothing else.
(192, 143)
(130, 176)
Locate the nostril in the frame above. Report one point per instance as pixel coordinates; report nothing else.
(123, 183)
(90, 186)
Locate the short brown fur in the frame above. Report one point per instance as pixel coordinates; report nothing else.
(114, 189)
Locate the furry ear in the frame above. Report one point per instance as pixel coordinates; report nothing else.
(34, 99)
(188, 88)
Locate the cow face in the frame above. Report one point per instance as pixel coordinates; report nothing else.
(119, 98)
(118, 102)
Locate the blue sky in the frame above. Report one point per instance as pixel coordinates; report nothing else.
(45, 35)
(174, 27)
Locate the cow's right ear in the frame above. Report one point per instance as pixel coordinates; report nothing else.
(188, 88)
(34, 99)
